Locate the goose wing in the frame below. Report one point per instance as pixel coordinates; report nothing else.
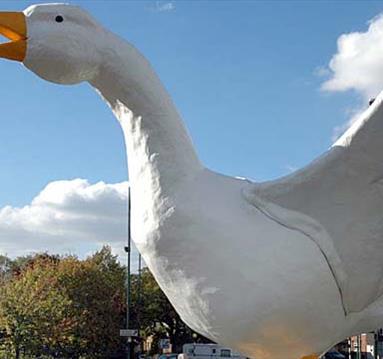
(341, 195)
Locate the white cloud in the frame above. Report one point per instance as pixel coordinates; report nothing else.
(358, 63)
(164, 6)
(71, 216)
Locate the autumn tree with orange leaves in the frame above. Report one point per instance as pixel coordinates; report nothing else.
(63, 307)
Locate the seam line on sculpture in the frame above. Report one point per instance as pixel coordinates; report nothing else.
(264, 211)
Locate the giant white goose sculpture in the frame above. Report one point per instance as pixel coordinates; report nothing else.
(281, 269)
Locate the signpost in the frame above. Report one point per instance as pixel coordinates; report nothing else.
(129, 333)
(164, 343)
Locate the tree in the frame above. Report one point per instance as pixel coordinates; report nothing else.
(70, 308)
(64, 307)
(156, 314)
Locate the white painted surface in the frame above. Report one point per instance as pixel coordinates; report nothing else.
(276, 270)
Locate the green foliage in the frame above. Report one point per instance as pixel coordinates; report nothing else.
(156, 316)
(64, 307)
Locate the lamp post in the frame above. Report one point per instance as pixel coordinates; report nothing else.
(359, 341)
(139, 299)
(375, 344)
(127, 332)
(128, 299)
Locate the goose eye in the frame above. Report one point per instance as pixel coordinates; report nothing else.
(59, 18)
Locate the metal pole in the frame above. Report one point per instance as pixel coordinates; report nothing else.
(376, 345)
(128, 299)
(359, 346)
(139, 299)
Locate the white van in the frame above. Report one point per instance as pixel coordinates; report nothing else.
(208, 351)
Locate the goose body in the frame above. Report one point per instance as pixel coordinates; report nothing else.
(281, 269)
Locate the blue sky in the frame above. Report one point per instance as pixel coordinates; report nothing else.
(246, 77)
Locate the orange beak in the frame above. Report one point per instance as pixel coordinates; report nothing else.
(13, 26)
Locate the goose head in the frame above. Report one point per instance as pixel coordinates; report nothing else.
(60, 43)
